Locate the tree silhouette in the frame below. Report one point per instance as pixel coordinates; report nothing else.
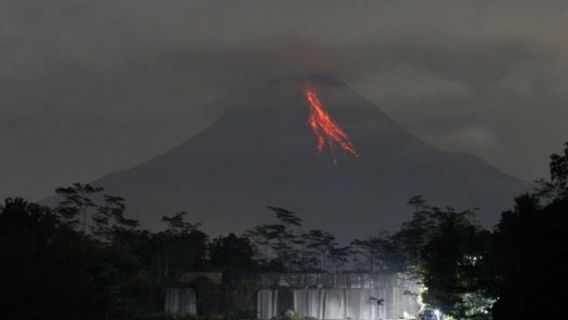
(232, 254)
(181, 247)
(279, 243)
(557, 187)
(77, 201)
(56, 272)
(449, 260)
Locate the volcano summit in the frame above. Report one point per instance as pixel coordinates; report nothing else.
(264, 151)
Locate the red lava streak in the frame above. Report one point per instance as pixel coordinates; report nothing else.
(326, 130)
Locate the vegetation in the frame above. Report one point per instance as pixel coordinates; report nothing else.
(85, 259)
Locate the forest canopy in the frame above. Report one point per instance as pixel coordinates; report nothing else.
(85, 259)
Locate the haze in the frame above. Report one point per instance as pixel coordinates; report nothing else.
(92, 87)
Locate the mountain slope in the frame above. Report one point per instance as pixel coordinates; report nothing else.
(263, 152)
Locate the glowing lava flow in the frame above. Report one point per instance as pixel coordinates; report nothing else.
(325, 129)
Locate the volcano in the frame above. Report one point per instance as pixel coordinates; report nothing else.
(264, 151)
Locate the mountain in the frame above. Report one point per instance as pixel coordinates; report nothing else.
(263, 152)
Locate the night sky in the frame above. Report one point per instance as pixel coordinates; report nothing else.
(90, 87)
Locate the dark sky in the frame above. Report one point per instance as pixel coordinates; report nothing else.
(89, 87)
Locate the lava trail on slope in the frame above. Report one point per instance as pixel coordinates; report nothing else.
(326, 130)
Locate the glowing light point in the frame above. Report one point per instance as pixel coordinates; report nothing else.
(438, 313)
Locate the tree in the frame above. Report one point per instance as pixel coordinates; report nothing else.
(527, 260)
(53, 271)
(110, 218)
(414, 234)
(77, 202)
(338, 257)
(557, 187)
(80, 200)
(278, 243)
(181, 247)
(286, 217)
(399, 252)
(320, 245)
(232, 254)
(450, 265)
(381, 252)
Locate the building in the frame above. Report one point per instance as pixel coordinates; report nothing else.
(323, 296)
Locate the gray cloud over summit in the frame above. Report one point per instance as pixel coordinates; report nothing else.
(89, 87)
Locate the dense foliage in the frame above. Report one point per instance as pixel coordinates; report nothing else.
(84, 259)
(528, 257)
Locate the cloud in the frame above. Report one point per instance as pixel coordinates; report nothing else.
(465, 138)
(101, 76)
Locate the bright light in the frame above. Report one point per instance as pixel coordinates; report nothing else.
(437, 313)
